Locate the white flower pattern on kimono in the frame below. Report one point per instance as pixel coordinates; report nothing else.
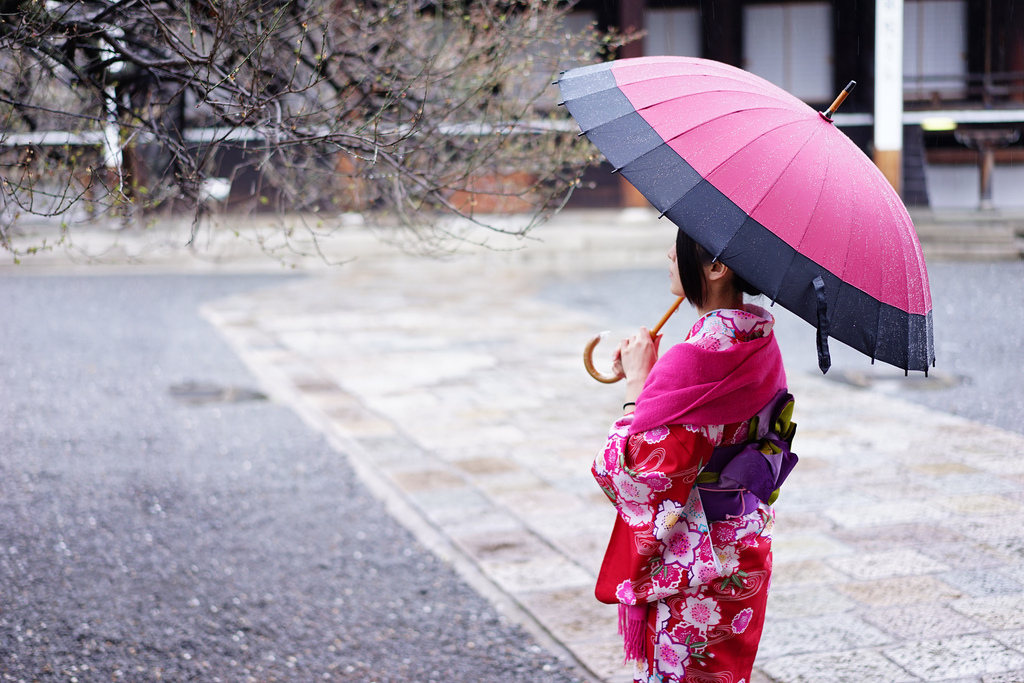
(671, 656)
(701, 611)
(681, 545)
(669, 514)
(705, 568)
(634, 498)
(729, 557)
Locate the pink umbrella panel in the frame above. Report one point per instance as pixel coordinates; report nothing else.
(772, 189)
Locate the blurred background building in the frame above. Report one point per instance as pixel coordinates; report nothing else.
(963, 80)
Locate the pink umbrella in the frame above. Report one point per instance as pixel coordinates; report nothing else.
(772, 189)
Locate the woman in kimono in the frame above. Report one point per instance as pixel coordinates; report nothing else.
(692, 467)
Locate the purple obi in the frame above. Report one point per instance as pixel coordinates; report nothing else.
(737, 478)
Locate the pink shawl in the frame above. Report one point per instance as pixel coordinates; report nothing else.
(694, 384)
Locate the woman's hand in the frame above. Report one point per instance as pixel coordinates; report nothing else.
(634, 358)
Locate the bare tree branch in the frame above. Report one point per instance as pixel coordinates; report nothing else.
(411, 110)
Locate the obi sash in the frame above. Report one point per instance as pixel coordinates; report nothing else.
(739, 477)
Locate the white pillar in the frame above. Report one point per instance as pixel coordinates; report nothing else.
(889, 89)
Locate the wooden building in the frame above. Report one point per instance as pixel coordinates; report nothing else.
(963, 75)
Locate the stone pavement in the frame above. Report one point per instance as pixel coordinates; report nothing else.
(460, 398)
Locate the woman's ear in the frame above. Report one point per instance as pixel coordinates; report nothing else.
(716, 270)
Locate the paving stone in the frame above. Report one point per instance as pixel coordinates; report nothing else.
(965, 555)
(1011, 639)
(941, 468)
(980, 504)
(786, 602)
(784, 637)
(506, 546)
(989, 528)
(361, 423)
(886, 564)
(924, 620)
(1014, 571)
(574, 485)
(815, 497)
(509, 484)
(485, 466)
(542, 574)
(878, 538)
(1000, 462)
(427, 480)
(973, 655)
(586, 549)
(1005, 677)
(442, 504)
(886, 513)
(1011, 547)
(794, 547)
(1016, 495)
(983, 582)
(803, 572)
(796, 521)
(391, 452)
(900, 591)
(956, 484)
(998, 613)
(899, 489)
(574, 615)
(851, 666)
(604, 658)
(456, 523)
(588, 520)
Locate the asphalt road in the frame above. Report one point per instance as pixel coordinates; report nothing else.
(978, 315)
(148, 536)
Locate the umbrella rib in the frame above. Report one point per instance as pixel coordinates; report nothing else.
(747, 91)
(705, 176)
(703, 93)
(817, 200)
(737, 111)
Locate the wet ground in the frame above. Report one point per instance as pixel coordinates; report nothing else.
(154, 529)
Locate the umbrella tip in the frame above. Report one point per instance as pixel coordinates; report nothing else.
(827, 114)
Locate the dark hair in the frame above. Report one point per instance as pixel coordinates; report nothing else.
(691, 259)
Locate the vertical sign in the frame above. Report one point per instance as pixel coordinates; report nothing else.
(889, 89)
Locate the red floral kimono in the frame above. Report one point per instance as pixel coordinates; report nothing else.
(692, 594)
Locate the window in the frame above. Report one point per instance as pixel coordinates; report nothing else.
(672, 32)
(790, 44)
(934, 49)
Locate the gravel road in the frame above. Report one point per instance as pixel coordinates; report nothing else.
(204, 536)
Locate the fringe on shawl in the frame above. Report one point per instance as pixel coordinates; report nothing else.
(632, 625)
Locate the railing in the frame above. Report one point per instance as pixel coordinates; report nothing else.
(1002, 88)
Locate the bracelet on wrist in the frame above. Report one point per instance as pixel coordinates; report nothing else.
(628, 404)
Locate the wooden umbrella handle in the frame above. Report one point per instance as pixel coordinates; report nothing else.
(588, 350)
(839, 100)
(668, 314)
